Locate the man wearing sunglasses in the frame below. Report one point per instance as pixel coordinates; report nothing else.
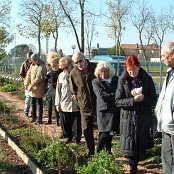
(81, 77)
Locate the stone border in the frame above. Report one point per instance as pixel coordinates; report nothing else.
(24, 157)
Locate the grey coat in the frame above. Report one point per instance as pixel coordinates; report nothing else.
(107, 113)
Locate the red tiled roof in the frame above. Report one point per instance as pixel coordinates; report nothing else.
(130, 46)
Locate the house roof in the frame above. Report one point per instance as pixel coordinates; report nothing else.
(131, 46)
(136, 46)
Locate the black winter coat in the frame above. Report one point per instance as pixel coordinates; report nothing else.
(107, 113)
(135, 131)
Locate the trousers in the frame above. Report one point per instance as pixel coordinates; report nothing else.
(167, 153)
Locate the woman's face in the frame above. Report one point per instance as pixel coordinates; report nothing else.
(67, 68)
(104, 73)
(133, 71)
(54, 66)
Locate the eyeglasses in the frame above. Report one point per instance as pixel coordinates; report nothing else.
(79, 61)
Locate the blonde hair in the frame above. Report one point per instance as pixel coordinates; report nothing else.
(104, 64)
(65, 61)
(53, 57)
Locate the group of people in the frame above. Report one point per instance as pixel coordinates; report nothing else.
(78, 90)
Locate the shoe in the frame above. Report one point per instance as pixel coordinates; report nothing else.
(133, 167)
(39, 121)
(68, 140)
(48, 122)
(33, 120)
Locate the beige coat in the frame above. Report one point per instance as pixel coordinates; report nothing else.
(35, 80)
(64, 95)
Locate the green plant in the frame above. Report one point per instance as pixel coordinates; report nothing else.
(32, 144)
(9, 88)
(101, 163)
(22, 132)
(50, 155)
(154, 154)
(116, 147)
(2, 80)
(2, 106)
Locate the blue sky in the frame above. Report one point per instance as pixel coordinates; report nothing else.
(66, 41)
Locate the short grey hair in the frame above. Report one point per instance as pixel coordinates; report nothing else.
(78, 55)
(168, 47)
(104, 64)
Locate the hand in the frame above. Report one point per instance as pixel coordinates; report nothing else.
(133, 92)
(58, 108)
(29, 88)
(138, 98)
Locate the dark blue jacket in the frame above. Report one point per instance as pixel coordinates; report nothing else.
(107, 113)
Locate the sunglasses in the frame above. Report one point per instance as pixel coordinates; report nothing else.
(79, 61)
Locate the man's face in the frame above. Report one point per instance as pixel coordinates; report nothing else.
(167, 58)
(80, 63)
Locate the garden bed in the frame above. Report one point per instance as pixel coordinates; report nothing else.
(41, 144)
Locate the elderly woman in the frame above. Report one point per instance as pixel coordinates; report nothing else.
(105, 86)
(136, 96)
(69, 108)
(51, 79)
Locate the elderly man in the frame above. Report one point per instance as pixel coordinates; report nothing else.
(165, 110)
(35, 83)
(81, 77)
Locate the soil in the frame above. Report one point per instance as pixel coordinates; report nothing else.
(10, 162)
(144, 167)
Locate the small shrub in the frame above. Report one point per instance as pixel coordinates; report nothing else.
(101, 163)
(154, 154)
(116, 147)
(9, 88)
(32, 144)
(50, 154)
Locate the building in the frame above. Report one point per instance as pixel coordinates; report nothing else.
(129, 49)
(136, 49)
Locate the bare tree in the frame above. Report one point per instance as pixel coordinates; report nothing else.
(32, 15)
(53, 18)
(171, 17)
(5, 34)
(141, 19)
(90, 31)
(161, 28)
(118, 14)
(5, 8)
(70, 9)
